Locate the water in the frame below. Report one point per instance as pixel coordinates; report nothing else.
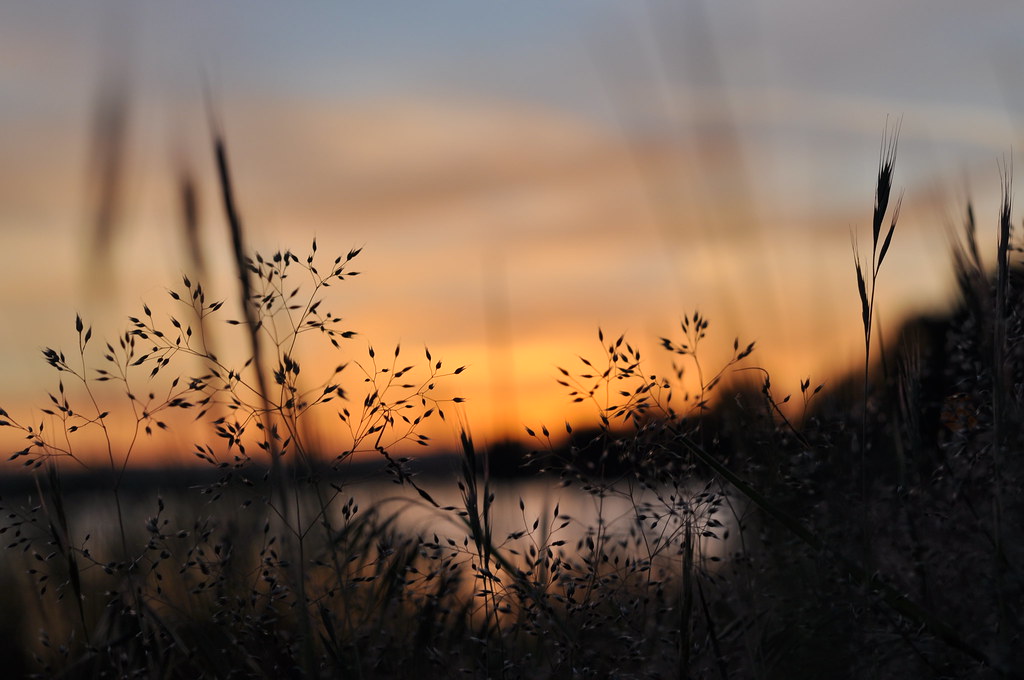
(627, 519)
(623, 519)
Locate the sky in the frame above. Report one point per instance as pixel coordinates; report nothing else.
(518, 174)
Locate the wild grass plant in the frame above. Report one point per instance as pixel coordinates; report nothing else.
(877, 534)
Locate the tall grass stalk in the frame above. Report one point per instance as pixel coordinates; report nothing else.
(1000, 390)
(292, 543)
(866, 287)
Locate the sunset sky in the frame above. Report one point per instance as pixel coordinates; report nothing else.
(518, 174)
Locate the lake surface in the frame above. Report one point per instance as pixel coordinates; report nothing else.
(624, 519)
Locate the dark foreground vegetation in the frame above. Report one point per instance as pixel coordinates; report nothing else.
(877, 536)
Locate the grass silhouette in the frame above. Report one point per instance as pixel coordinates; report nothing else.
(877, 535)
